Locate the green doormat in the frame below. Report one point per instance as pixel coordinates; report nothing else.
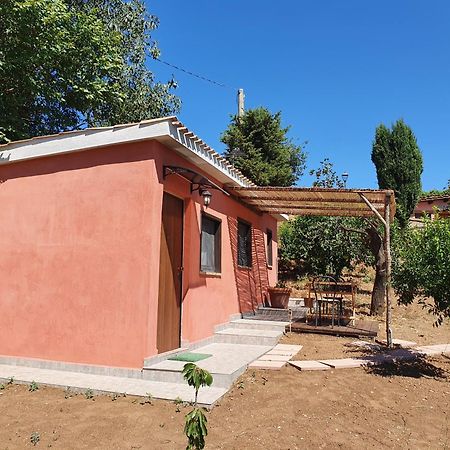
(189, 357)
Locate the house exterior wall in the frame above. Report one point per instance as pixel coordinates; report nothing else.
(79, 254)
(429, 206)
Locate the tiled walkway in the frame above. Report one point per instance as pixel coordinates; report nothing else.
(276, 358)
(375, 359)
(103, 383)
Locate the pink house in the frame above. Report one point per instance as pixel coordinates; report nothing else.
(110, 252)
(430, 205)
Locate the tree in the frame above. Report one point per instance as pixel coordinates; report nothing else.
(398, 162)
(70, 64)
(258, 145)
(142, 97)
(399, 166)
(324, 245)
(326, 176)
(421, 266)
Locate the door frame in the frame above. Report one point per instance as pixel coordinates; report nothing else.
(181, 277)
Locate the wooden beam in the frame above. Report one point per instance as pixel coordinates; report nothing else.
(320, 206)
(331, 213)
(307, 199)
(373, 209)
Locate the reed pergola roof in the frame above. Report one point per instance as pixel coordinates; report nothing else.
(329, 202)
(318, 201)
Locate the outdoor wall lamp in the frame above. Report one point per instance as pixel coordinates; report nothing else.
(206, 197)
(197, 181)
(345, 178)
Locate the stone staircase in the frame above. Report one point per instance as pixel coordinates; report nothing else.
(232, 348)
(297, 312)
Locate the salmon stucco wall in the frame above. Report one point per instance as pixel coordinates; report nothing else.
(210, 299)
(79, 254)
(75, 254)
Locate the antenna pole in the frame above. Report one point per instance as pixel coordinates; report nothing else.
(240, 101)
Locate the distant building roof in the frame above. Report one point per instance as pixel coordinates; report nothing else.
(431, 198)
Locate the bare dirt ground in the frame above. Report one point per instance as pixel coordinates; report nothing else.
(410, 323)
(404, 406)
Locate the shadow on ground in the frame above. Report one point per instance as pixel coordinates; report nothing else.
(417, 367)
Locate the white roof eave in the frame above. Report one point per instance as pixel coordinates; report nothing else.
(168, 130)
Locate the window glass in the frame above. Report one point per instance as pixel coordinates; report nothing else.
(244, 244)
(269, 248)
(210, 245)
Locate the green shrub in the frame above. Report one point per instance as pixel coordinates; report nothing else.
(421, 266)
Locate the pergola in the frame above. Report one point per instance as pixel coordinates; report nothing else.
(329, 202)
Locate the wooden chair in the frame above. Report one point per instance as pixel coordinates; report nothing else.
(327, 296)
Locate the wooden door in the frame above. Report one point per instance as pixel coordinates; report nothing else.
(170, 274)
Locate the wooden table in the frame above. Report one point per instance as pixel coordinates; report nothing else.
(344, 289)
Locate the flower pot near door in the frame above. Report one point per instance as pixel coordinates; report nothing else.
(279, 297)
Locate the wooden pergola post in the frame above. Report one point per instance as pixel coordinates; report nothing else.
(387, 249)
(386, 221)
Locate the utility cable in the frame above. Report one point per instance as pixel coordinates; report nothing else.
(195, 75)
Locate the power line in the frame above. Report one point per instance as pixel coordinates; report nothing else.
(195, 75)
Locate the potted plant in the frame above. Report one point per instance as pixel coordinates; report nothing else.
(279, 295)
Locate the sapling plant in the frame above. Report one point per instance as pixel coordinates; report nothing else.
(178, 402)
(147, 400)
(89, 393)
(195, 421)
(35, 438)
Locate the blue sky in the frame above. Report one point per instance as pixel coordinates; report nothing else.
(334, 69)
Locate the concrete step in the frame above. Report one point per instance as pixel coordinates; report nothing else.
(226, 363)
(163, 356)
(171, 372)
(248, 336)
(293, 302)
(253, 324)
(269, 314)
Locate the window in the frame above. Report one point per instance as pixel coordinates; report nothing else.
(244, 244)
(210, 245)
(269, 248)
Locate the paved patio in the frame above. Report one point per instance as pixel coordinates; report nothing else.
(234, 347)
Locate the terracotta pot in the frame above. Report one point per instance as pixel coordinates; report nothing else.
(279, 297)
